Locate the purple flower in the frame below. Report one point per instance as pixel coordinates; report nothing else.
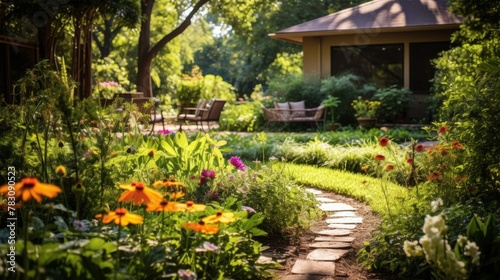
(208, 174)
(164, 132)
(248, 209)
(88, 153)
(211, 247)
(236, 162)
(205, 174)
(186, 274)
(80, 225)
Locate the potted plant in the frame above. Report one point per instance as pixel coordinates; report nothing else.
(366, 111)
(330, 103)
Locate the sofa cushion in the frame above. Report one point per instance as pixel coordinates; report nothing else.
(300, 105)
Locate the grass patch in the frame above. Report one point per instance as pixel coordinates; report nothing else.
(358, 186)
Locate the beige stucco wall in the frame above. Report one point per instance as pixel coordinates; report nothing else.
(317, 49)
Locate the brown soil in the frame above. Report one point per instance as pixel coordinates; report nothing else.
(347, 268)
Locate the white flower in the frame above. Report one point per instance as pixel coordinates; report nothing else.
(472, 250)
(436, 204)
(462, 240)
(412, 249)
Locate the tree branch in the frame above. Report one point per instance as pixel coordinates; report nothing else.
(176, 32)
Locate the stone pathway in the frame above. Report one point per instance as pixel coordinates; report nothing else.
(330, 245)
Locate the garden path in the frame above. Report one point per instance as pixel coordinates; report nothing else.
(328, 250)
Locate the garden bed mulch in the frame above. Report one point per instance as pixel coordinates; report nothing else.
(347, 268)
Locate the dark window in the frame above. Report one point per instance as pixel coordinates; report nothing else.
(379, 64)
(421, 69)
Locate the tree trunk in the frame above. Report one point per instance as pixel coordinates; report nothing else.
(82, 53)
(146, 52)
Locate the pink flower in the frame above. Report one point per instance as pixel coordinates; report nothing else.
(236, 162)
(164, 132)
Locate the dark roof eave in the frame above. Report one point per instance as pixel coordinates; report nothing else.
(297, 37)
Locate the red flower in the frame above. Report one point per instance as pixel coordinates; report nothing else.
(443, 129)
(389, 167)
(457, 145)
(384, 141)
(419, 148)
(434, 176)
(410, 161)
(443, 151)
(379, 157)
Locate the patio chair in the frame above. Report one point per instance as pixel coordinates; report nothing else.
(148, 107)
(210, 113)
(191, 113)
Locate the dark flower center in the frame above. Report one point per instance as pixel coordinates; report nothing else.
(121, 211)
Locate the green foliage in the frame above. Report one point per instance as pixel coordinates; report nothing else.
(109, 69)
(246, 116)
(286, 207)
(330, 103)
(394, 103)
(284, 65)
(346, 89)
(188, 89)
(297, 88)
(471, 103)
(484, 233)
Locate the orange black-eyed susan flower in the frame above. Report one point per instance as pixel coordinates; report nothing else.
(78, 188)
(365, 168)
(151, 153)
(30, 188)
(190, 206)
(383, 141)
(164, 206)
(61, 170)
(121, 217)
(138, 193)
(419, 148)
(389, 167)
(443, 151)
(434, 176)
(170, 182)
(201, 227)
(457, 145)
(410, 161)
(176, 195)
(443, 129)
(220, 217)
(379, 157)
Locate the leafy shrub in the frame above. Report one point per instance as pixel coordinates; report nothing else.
(297, 88)
(394, 103)
(286, 207)
(247, 116)
(470, 101)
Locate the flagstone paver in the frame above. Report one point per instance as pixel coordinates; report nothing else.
(314, 191)
(342, 214)
(326, 254)
(330, 245)
(325, 199)
(342, 226)
(334, 238)
(332, 207)
(303, 277)
(314, 267)
(334, 232)
(347, 220)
